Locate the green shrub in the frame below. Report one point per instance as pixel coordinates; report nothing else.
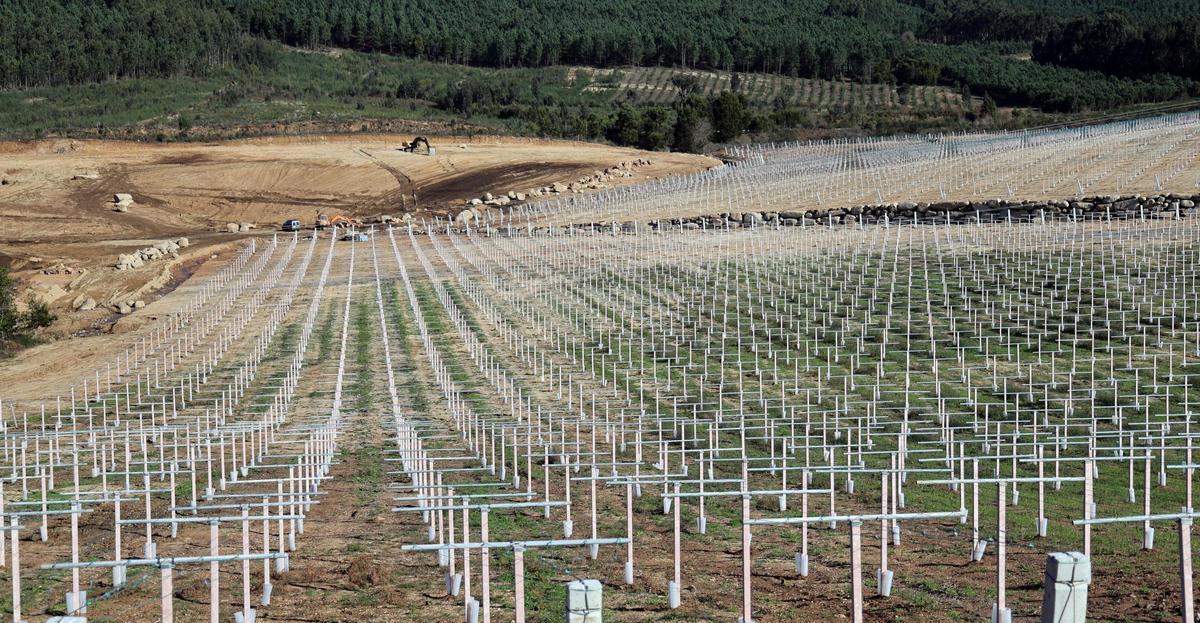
(17, 328)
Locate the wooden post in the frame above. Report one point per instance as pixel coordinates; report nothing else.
(675, 549)
(16, 571)
(466, 538)
(1185, 569)
(485, 556)
(246, 564)
(1087, 508)
(746, 611)
(81, 606)
(168, 593)
(519, 582)
(1147, 530)
(856, 587)
(214, 572)
(1001, 538)
(629, 533)
(974, 507)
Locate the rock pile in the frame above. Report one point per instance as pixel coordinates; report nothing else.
(234, 228)
(63, 269)
(597, 180)
(139, 258)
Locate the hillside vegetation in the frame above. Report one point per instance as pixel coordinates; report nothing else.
(1057, 56)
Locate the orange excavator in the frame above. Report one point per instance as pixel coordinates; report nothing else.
(341, 220)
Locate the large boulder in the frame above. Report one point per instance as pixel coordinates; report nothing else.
(232, 228)
(87, 304)
(127, 261)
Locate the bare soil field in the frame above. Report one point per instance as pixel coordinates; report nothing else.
(181, 189)
(56, 200)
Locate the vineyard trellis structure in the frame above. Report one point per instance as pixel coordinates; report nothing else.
(705, 420)
(1144, 156)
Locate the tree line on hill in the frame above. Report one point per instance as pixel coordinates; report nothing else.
(1057, 55)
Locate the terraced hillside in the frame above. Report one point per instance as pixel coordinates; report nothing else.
(654, 85)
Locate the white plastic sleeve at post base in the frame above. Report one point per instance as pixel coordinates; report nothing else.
(802, 565)
(980, 550)
(883, 580)
(1003, 616)
(672, 594)
(239, 618)
(702, 525)
(628, 572)
(77, 603)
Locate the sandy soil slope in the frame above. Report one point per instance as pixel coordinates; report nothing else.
(61, 234)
